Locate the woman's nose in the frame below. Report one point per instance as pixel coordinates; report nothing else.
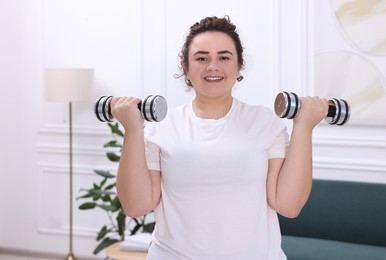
(212, 66)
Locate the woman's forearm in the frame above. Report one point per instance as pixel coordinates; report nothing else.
(134, 185)
(295, 178)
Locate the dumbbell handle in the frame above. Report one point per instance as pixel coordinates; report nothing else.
(152, 108)
(331, 111)
(287, 105)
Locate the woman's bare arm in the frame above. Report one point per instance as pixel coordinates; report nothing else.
(289, 180)
(139, 190)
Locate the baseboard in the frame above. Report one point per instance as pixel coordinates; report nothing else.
(40, 255)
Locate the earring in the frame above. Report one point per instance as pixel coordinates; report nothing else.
(240, 78)
(187, 81)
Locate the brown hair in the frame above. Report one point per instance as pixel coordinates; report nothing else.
(212, 24)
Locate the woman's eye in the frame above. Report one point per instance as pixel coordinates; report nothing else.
(224, 58)
(201, 59)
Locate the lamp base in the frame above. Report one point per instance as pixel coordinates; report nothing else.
(70, 256)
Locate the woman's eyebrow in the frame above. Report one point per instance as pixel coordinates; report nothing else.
(225, 52)
(201, 52)
(207, 52)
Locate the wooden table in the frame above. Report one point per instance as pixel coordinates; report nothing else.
(114, 252)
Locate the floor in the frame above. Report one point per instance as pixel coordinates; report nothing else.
(18, 257)
(5, 256)
(12, 254)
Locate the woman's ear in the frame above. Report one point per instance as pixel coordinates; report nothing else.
(185, 68)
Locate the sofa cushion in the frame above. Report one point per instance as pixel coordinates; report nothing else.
(344, 211)
(302, 248)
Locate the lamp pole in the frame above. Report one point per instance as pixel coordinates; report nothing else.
(70, 255)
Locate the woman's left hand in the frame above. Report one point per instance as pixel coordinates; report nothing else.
(312, 111)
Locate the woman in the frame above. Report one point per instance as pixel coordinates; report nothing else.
(216, 171)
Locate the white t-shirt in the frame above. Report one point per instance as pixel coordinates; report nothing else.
(214, 203)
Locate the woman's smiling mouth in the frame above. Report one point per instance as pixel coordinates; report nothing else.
(213, 78)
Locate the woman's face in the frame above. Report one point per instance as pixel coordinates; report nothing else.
(213, 64)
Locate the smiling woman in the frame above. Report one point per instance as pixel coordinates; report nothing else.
(216, 163)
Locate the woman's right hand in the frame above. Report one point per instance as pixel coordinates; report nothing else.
(312, 111)
(125, 110)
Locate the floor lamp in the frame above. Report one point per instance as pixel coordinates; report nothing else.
(69, 85)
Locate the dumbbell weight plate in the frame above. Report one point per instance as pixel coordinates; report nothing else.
(287, 105)
(153, 108)
(102, 109)
(338, 113)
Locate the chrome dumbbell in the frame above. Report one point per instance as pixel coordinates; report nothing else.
(152, 108)
(287, 105)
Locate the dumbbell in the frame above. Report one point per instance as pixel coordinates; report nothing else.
(153, 108)
(287, 105)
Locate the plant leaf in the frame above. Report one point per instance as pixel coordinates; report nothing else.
(121, 220)
(108, 207)
(113, 157)
(115, 129)
(105, 192)
(85, 196)
(105, 243)
(149, 228)
(113, 143)
(96, 197)
(116, 203)
(105, 174)
(106, 198)
(87, 205)
(108, 187)
(103, 232)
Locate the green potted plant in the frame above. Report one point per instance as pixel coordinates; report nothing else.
(103, 196)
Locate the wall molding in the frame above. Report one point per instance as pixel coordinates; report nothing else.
(65, 230)
(83, 169)
(153, 47)
(163, 63)
(277, 54)
(306, 78)
(60, 129)
(325, 140)
(349, 164)
(295, 46)
(50, 148)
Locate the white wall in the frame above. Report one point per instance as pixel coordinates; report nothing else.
(133, 47)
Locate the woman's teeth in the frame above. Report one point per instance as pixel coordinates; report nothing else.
(213, 78)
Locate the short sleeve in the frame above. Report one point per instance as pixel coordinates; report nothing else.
(152, 151)
(279, 147)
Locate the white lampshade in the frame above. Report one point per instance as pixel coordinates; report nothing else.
(67, 84)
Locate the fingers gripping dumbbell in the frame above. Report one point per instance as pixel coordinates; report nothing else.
(152, 108)
(287, 105)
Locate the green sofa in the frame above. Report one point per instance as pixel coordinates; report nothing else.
(341, 220)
